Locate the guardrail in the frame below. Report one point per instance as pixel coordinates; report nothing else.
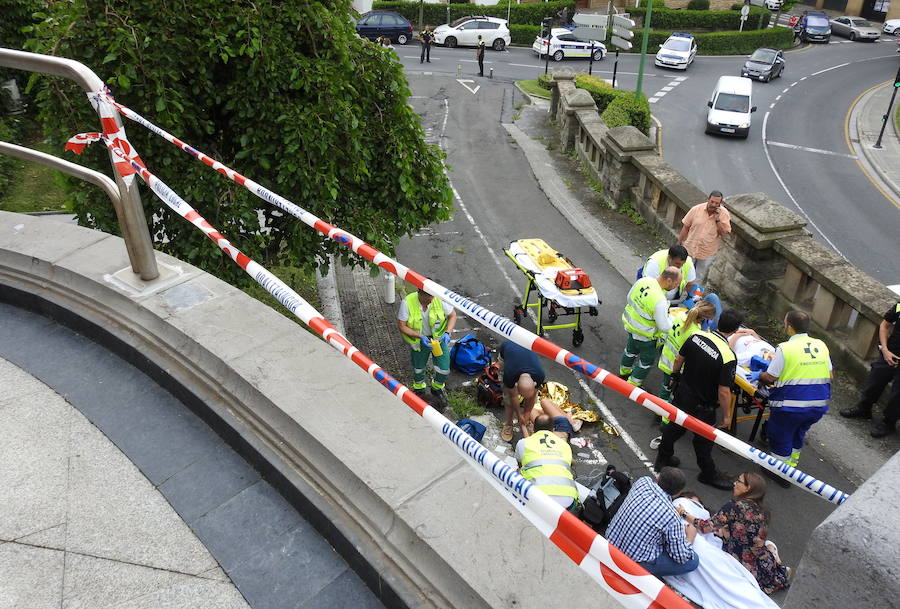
(127, 202)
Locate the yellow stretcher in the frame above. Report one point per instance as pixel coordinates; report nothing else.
(540, 263)
(750, 401)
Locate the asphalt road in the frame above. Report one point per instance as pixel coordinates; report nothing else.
(803, 160)
(498, 200)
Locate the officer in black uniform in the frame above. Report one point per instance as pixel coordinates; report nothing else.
(702, 375)
(479, 55)
(427, 38)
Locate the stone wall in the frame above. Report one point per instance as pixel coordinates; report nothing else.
(770, 263)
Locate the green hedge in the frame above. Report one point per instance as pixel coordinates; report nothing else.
(544, 81)
(698, 5)
(524, 34)
(669, 19)
(436, 14)
(617, 107)
(725, 43)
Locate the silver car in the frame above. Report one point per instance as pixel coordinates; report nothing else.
(855, 28)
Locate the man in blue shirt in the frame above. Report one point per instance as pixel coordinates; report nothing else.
(523, 375)
(649, 530)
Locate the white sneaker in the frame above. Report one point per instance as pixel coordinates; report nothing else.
(655, 442)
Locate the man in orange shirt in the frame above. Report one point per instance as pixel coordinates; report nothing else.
(702, 230)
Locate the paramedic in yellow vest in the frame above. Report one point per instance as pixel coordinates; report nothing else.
(684, 324)
(646, 319)
(546, 460)
(422, 318)
(676, 256)
(800, 376)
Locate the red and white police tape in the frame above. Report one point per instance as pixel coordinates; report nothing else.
(504, 326)
(621, 577)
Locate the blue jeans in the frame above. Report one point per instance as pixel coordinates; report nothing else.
(664, 565)
(709, 324)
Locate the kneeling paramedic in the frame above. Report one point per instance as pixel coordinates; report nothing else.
(546, 461)
(420, 334)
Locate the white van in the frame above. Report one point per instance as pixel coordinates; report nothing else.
(730, 106)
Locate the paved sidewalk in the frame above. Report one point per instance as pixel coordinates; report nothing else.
(865, 123)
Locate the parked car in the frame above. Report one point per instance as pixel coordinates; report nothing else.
(891, 26)
(563, 44)
(814, 27)
(764, 64)
(772, 5)
(855, 28)
(678, 51)
(730, 106)
(465, 31)
(375, 24)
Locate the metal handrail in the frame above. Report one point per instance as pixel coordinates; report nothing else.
(130, 210)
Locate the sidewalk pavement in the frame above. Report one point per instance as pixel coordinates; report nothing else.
(866, 120)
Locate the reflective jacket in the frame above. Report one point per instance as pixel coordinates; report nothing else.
(805, 381)
(674, 340)
(642, 298)
(662, 260)
(437, 319)
(547, 462)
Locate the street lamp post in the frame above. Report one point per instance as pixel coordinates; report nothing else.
(887, 115)
(640, 78)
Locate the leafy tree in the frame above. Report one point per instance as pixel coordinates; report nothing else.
(284, 92)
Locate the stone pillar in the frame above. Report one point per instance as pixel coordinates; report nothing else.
(851, 558)
(747, 259)
(619, 175)
(575, 103)
(563, 83)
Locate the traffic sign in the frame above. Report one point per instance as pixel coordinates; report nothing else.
(623, 21)
(622, 33)
(622, 44)
(745, 10)
(589, 33)
(588, 20)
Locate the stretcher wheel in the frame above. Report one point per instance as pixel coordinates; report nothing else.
(577, 337)
(517, 315)
(551, 314)
(592, 311)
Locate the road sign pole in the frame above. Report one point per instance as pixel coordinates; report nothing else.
(615, 67)
(887, 115)
(591, 64)
(640, 78)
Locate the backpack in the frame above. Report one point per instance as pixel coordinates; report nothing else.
(473, 428)
(608, 495)
(489, 390)
(469, 355)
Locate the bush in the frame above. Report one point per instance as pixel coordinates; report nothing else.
(544, 81)
(524, 34)
(726, 43)
(668, 19)
(435, 14)
(698, 5)
(616, 106)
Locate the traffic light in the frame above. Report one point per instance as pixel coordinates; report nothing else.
(897, 78)
(546, 21)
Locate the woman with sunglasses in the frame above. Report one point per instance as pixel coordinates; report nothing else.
(742, 524)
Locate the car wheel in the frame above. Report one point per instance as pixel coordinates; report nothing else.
(499, 45)
(766, 78)
(853, 36)
(450, 42)
(598, 55)
(558, 56)
(402, 39)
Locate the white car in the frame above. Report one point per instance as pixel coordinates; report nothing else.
(564, 44)
(773, 5)
(891, 26)
(465, 32)
(677, 52)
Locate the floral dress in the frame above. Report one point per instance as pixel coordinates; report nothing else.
(743, 526)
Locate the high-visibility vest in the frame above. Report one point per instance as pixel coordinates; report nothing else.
(805, 381)
(642, 298)
(675, 338)
(547, 462)
(437, 319)
(662, 260)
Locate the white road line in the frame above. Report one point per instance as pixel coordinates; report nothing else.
(667, 89)
(785, 90)
(680, 78)
(523, 65)
(772, 105)
(816, 150)
(829, 69)
(793, 83)
(660, 93)
(788, 192)
(804, 78)
(653, 100)
(777, 98)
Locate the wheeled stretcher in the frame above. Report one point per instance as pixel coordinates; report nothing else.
(749, 402)
(541, 265)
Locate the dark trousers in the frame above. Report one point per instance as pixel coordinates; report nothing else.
(426, 52)
(702, 447)
(880, 374)
(481, 64)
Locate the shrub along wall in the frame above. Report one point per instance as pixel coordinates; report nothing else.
(668, 19)
(617, 107)
(524, 34)
(435, 14)
(726, 43)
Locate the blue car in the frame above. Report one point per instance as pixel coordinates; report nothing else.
(375, 24)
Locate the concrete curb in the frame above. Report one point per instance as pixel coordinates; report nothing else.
(865, 116)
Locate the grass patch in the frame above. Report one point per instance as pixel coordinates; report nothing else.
(34, 186)
(897, 119)
(300, 280)
(633, 215)
(532, 88)
(464, 404)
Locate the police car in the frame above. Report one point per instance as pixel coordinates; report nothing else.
(564, 44)
(677, 52)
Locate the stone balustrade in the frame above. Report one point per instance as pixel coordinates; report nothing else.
(770, 263)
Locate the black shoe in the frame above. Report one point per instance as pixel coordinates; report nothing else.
(672, 461)
(428, 61)
(419, 392)
(440, 396)
(856, 413)
(717, 480)
(782, 482)
(881, 429)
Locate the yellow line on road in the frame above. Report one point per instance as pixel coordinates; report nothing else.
(850, 144)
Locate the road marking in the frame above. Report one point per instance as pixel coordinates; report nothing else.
(777, 98)
(523, 65)
(804, 78)
(660, 93)
(772, 105)
(807, 149)
(470, 89)
(872, 180)
(681, 78)
(829, 69)
(667, 89)
(786, 90)
(788, 192)
(793, 83)
(652, 100)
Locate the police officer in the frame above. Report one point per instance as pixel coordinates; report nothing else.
(479, 55)
(800, 375)
(701, 381)
(646, 319)
(427, 38)
(419, 333)
(546, 460)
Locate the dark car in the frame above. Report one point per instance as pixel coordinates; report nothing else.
(764, 64)
(814, 26)
(375, 24)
